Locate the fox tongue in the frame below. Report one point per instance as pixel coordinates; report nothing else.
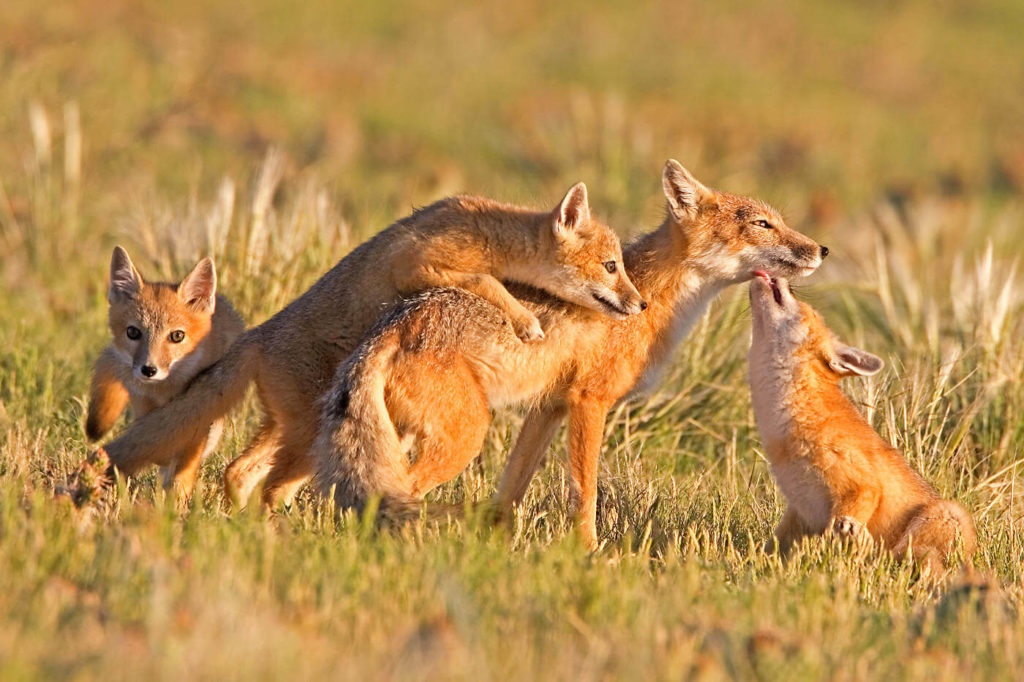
(763, 275)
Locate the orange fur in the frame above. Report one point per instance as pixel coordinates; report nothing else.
(163, 335)
(439, 359)
(836, 472)
(467, 242)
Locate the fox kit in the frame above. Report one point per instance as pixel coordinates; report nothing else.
(432, 369)
(837, 474)
(163, 335)
(466, 242)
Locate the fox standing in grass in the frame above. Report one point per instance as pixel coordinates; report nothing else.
(436, 365)
(163, 336)
(466, 242)
(836, 473)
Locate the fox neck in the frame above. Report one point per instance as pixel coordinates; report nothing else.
(664, 271)
(517, 254)
(793, 401)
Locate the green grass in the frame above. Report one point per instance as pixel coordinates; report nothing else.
(891, 133)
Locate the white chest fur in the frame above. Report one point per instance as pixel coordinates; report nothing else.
(806, 491)
(772, 395)
(692, 303)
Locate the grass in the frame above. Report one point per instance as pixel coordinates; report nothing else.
(277, 136)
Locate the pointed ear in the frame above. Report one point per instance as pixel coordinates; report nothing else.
(849, 360)
(199, 288)
(125, 280)
(573, 213)
(685, 194)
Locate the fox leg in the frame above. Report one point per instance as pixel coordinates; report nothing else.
(538, 430)
(450, 446)
(852, 512)
(932, 534)
(107, 396)
(249, 468)
(791, 529)
(526, 325)
(586, 433)
(180, 475)
(292, 467)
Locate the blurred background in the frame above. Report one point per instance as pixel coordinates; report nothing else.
(822, 107)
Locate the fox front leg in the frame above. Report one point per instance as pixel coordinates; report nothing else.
(586, 433)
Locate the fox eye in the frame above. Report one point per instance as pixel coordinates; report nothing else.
(610, 266)
(177, 336)
(764, 224)
(133, 333)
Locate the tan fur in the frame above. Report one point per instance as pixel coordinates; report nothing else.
(157, 313)
(468, 242)
(433, 367)
(837, 474)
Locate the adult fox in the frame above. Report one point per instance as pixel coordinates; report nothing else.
(468, 242)
(837, 474)
(433, 368)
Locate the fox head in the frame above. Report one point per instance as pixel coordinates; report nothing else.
(157, 325)
(729, 237)
(789, 334)
(583, 260)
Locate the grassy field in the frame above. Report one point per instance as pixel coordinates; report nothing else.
(276, 136)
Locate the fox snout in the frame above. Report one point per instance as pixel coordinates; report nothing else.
(146, 368)
(632, 302)
(622, 300)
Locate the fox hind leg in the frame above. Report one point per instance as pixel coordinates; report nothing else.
(932, 535)
(449, 449)
(292, 467)
(249, 468)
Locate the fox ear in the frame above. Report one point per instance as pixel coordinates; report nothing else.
(573, 213)
(125, 280)
(199, 288)
(849, 360)
(685, 194)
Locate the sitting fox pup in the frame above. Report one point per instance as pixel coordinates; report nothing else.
(836, 473)
(164, 334)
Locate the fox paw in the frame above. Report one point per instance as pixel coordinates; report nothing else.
(528, 329)
(848, 527)
(90, 479)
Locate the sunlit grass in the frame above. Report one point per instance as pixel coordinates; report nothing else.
(276, 137)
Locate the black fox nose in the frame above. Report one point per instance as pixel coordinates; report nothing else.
(148, 370)
(643, 305)
(824, 251)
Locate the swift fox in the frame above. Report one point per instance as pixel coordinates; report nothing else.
(837, 474)
(163, 336)
(430, 371)
(466, 242)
